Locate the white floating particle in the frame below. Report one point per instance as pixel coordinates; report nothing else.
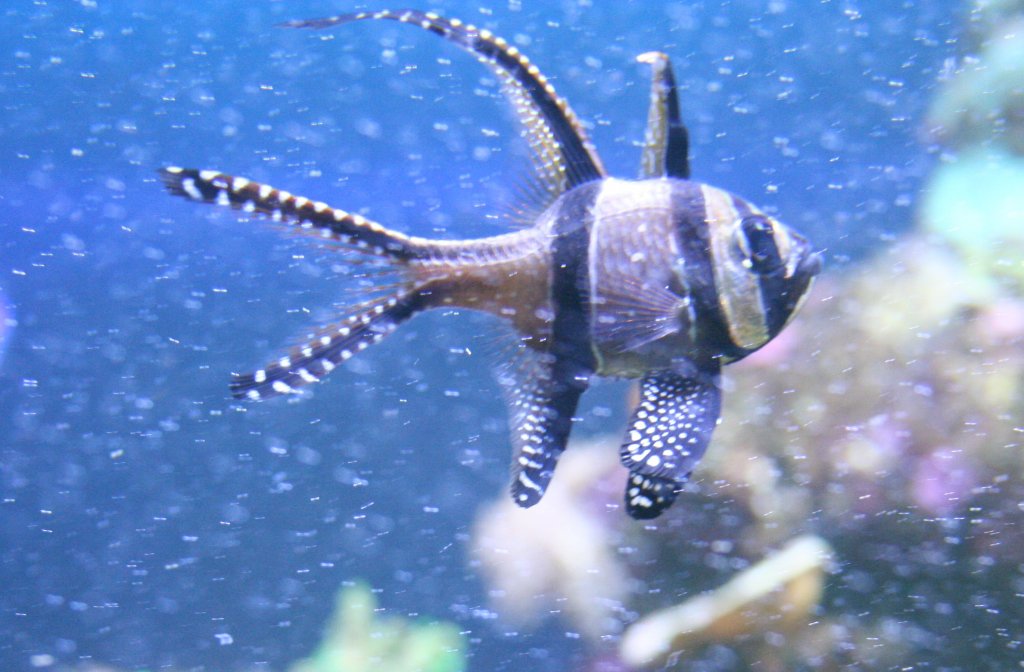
(41, 660)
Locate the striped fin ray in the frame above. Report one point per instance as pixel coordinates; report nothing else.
(313, 217)
(328, 349)
(666, 140)
(564, 155)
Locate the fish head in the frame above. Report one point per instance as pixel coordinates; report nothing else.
(781, 260)
(763, 270)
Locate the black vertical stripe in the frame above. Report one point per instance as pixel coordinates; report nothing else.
(572, 339)
(677, 151)
(773, 297)
(690, 220)
(776, 302)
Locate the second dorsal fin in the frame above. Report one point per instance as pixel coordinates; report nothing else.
(666, 140)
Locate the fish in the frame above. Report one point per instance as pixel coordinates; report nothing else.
(661, 278)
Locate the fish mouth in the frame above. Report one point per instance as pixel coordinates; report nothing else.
(810, 265)
(804, 264)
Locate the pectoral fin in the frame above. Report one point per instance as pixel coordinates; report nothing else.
(668, 434)
(632, 312)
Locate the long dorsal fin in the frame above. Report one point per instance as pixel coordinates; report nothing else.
(564, 156)
(666, 140)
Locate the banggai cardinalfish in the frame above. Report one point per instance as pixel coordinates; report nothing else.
(662, 278)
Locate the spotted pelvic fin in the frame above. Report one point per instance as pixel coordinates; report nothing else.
(542, 392)
(564, 156)
(328, 349)
(648, 497)
(668, 434)
(666, 140)
(309, 217)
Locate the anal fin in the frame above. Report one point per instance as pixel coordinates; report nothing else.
(543, 392)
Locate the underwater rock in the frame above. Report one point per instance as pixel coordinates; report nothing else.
(357, 640)
(774, 595)
(898, 437)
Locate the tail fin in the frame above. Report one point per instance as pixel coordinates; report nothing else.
(368, 323)
(327, 349)
(314, 217)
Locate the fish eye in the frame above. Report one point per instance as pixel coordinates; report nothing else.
(756, 237)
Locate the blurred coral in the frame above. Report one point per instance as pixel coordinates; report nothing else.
(890, 428)
(559, 555)
(904, 381)
(975, 204)
(981, 99)
(973, 200)
(357, 640)
(774, 595)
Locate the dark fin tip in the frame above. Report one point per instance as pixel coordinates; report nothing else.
(527, 502)
(659, 495)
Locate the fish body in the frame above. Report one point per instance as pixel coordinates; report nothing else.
(662, 278)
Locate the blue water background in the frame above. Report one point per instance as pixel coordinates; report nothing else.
(142, 513)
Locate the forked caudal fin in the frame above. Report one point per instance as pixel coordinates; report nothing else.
(367, 324)
(313, 217)
(328, 349)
